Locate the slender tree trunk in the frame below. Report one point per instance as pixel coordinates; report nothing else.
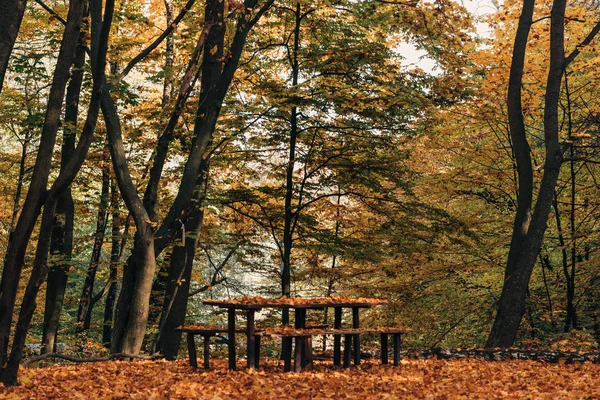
(10, 23)
(289, 181)
(511, 306)
(85, 301)
(331, 279)
(571, 321)
(61, 245)
(116, 255)
(19, 238)
(21, 179)
(566, 267)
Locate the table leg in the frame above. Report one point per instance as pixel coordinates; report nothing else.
(257, 352)
(356, 325)
(300, 323)
(397, 343)
(192, 350)
(384, 348)
(347, 350)
(206, 351)
(286, 345)
(337, 339)
(251, 339)
(231, 337)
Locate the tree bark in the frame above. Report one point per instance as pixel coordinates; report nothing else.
(134, 299)
(19, 238)
(61, 244)
(10, 23)
(83, 323)
(289, 182)
(179, 276)
(62, 182)
(212, 37)
(511, 306)
(117, 246)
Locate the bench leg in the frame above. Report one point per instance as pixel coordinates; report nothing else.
(397, 343)
(206, 351)
(347, 350)
(337, 339)
(384, 348)
(298, 354)
(192, 350)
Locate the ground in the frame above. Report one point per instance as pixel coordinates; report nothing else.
(451, 379)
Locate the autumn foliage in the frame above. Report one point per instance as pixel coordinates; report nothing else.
(422, 379)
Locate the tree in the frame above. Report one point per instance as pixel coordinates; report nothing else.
(530, 219)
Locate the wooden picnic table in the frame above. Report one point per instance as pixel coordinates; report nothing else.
(299, 305)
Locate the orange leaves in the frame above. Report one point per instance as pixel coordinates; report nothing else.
(300, 301)
(467, 378)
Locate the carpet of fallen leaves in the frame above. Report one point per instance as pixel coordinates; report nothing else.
(451, 379)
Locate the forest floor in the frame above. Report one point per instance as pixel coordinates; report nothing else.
(433, 378)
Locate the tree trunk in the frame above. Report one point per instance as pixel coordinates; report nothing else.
(206, 119)
(10, 22)
(179, 275)
(211, 70)
(62, 182)
(61, 244)
(134, 299)
(286, 275)
(511, 306)
(83, 323)
(19, 238)
(116, 256)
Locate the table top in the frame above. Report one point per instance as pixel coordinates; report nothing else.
(256, 303)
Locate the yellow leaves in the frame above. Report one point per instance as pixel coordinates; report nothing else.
(214, 50)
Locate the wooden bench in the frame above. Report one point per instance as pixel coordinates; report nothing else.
(207, 332)
(300, 335)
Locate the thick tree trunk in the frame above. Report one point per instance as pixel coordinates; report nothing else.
(511, 305)
(19, 238)
(10, 22)
(134, 299)
(61, 244)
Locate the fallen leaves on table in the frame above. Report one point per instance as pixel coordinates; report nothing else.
(465, 378)
(296, 301)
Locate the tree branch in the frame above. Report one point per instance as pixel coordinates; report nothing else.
(584, 43)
